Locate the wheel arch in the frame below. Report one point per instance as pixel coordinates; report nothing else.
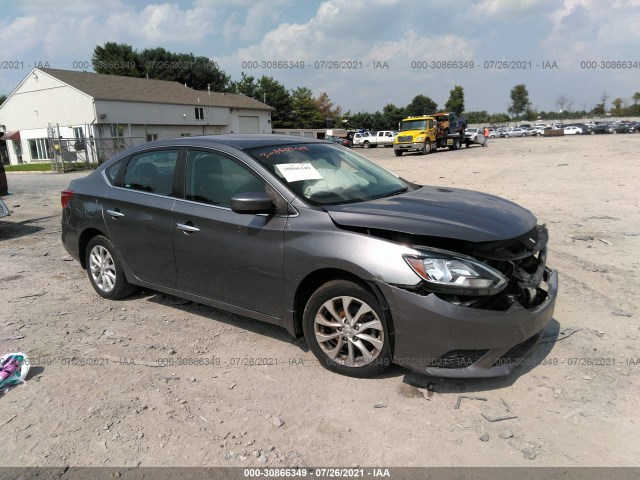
(316, 279)
(83, 241)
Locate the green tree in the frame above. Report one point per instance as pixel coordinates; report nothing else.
(116, 59)
(274, 94)
(421, 105)
(326, 107)
(519, 100)
(477, 117)
(392, 116)
(158, 63)
(598, 110)
(198, 73)
(2, 99)
(456, 100)
(246, 86)
(617, 107)
(498, 118)
(361, 120)
(306, 113)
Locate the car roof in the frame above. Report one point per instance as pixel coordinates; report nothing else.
(237, 140)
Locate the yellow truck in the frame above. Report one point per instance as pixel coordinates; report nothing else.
(426, 133)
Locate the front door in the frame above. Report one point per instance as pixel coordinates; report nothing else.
(225, 256)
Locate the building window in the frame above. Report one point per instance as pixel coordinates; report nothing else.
(199, 113)
(117, 131)
(78, 132)
(151, 137)
(185, 134)
(38, 148)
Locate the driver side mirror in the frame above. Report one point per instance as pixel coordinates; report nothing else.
(251, 202)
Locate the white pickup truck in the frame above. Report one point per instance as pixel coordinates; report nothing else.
(383, 138)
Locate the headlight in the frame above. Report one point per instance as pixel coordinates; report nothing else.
(448, 272)
(420, 138)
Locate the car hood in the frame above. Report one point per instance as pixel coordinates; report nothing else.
(439, 212)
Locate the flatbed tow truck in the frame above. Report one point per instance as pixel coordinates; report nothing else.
(426, 133)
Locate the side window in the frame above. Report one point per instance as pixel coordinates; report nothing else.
(113, 171)
(212, 178)
(152, 172)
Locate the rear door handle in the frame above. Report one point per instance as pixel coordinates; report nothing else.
(187, 227)
(115, 213)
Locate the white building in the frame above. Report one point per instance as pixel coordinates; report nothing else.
(89, 116)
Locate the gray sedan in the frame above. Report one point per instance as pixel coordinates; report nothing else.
(308, 235)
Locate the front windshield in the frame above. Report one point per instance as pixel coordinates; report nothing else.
(328, 175)
(413, 125)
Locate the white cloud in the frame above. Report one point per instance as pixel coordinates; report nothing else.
(506, 7)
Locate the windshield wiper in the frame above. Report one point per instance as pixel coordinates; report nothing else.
(397, 192)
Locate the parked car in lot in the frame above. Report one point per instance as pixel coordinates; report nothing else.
(382, 138)
(474, 135)
(339, 140)
(301, 233)
(492, 132)
(517, 132)
(539, 131)
(356, 138)
(622, 128)
(599, 128)
(502, 131)
(572, 130)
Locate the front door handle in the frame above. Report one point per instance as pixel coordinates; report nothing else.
(115, 213)
(187, 227)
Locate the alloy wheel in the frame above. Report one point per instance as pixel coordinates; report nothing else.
(349, 331)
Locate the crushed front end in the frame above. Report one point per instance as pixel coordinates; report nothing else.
(483, 330)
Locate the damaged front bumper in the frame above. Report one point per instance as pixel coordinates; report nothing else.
(439, 338)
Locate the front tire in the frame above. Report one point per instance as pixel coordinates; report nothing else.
(105, 270)
(398, 153)
(346, 330)
(426, 148)
(366, 145)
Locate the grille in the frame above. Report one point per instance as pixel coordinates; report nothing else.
(458, 358)
(405, 138)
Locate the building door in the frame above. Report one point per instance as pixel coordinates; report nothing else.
(249, 124)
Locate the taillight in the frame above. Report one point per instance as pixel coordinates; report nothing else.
(65, 196)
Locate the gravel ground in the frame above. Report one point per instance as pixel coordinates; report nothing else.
(96, 396)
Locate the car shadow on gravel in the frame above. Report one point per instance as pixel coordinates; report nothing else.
(11, 230)
(440, 385)
(473, 385)
(212, 313)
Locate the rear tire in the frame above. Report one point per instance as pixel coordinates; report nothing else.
(105, 270)
(346, 330)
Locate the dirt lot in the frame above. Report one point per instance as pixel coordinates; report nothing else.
(112, 405)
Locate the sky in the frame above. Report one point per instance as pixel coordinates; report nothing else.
(393, 50)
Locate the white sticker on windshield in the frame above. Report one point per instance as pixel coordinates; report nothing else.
(294, 172)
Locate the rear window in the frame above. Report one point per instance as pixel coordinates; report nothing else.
(152, 172)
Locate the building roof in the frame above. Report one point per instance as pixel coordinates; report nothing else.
(132, 89)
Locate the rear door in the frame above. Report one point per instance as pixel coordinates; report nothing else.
(225, 256)
(138, 215)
